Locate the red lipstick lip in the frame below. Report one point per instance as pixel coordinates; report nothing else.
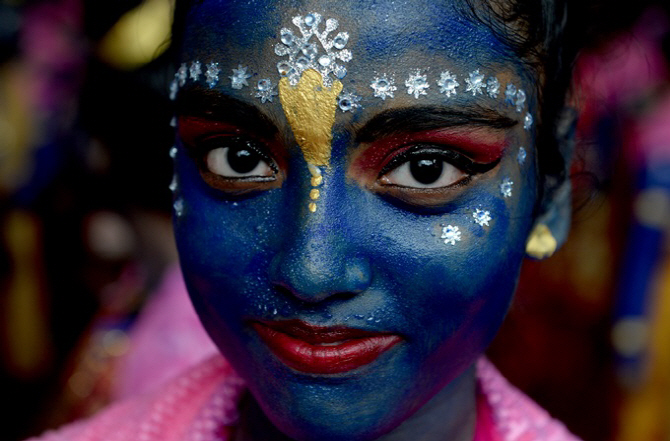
(323, 350)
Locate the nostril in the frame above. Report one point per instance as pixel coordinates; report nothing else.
(310, 298)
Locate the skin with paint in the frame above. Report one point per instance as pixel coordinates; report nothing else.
(352, 266)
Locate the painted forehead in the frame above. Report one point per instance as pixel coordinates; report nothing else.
(377, 50)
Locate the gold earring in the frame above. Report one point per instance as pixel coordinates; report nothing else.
(541, 243)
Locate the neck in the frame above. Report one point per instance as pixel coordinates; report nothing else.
(450, 414)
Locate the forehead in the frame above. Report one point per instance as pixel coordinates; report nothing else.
(405, 33)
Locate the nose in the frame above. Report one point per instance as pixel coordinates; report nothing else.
(321, 259)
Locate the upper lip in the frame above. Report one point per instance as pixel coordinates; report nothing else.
(317, 335)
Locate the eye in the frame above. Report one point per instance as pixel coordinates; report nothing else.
(427, 175)
(424, 171)
(238, 162)
(429, 167)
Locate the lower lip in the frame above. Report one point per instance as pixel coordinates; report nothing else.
(325, 359)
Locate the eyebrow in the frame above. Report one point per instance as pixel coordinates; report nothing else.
(418, 119)
(211, 104)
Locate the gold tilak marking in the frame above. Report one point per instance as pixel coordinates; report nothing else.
(310, 110)
(312, 207)
(314, 194)
(317, 180)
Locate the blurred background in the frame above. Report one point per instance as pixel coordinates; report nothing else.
(87, 260)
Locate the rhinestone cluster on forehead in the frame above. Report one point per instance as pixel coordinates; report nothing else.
(312, 49)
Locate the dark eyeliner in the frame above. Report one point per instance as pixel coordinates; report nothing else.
(204, 146)
(430, 150)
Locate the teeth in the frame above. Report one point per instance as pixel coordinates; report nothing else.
(331, 344)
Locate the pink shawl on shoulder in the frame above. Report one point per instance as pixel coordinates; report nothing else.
(201, 405)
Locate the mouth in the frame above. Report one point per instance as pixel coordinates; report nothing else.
(323, 350)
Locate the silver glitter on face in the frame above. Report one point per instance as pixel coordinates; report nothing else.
(482, 217)
(348, 101)
(493, 87)
(448, 83)
(474, 82)
(182, 74)
(195, 70)
(450, 234)
(265, 90)
(174, 89)
(416, 84)
(506, 188)
(212, 74)
(510, 94)
(520, 100)
(239, 77)
(312, 49)
(383, 87)
(521, 156)
(527, 121)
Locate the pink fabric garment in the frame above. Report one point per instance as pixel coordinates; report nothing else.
(201, 405)
(166, 339)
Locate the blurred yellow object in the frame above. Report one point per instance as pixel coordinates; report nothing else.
(29, 345)
(141, 35)
(645, 412)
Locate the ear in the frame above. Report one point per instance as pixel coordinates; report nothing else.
(552, 226)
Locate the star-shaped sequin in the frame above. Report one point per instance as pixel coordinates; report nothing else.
(493, 87)
(195, 70)
(521, 156)
(239, 77)
(174, 89)
(527, 121)
(212, 74)
(348, 101)
(510, 94)
(474, 82)
(265, 90)
(482, 217)
(506, 188)
(448, 83)
(451, 234)
(182, 74)
(416, 84)
(520, 100)
(383, 87)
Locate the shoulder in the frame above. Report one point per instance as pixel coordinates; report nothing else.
(199, 404)
(515, 416)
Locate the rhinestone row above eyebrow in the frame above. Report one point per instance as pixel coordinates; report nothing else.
(383, 86)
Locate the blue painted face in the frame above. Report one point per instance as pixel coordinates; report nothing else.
(420, 224)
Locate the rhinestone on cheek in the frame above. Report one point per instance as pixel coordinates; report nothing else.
(506, 188)
(450, 234)
(482, 217)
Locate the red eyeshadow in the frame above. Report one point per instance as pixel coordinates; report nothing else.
(480, 145)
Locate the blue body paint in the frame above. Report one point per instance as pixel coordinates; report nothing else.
(360, 260)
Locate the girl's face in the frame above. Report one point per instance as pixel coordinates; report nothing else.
(351, 252)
